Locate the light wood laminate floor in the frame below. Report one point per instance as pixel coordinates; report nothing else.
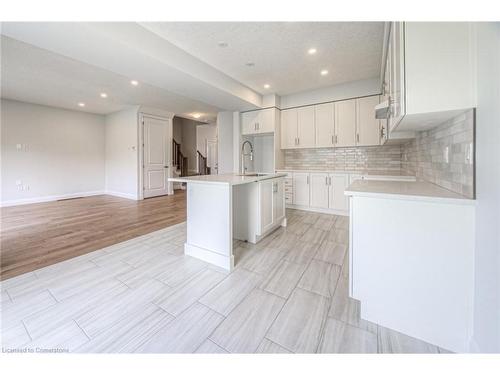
(37, 235)
(287, 294)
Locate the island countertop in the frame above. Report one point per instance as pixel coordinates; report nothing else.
(414, 190)
(226, 179)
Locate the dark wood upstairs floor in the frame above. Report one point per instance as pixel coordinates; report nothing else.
(37, 235)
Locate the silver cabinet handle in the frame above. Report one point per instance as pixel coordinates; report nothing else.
(333, 140)
(357, 137)
(298, 140)
(336, 139)
(326, 180)
(308, 179)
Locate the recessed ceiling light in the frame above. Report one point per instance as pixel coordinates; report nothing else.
(267, 85)
(250, 64)
(134, 82)
(104, 95)
(81, 104)
(222, 44)
(196, 115)
(311, 51)
(324, 72)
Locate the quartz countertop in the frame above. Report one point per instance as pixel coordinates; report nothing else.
(414, 190)
(369, 173)
(226, 179)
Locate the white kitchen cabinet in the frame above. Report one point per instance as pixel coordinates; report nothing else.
(266, 194)
(272, 204)
(345, 123)
(301, 189)
(429, 60)
(306, 136)
(324, 115)
(337, 199)
(367, 126)
(258, 122)
(279, 201)
(319, 188)
(289, 128)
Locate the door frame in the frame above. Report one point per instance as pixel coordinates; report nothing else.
(140, 153)
(216, 142)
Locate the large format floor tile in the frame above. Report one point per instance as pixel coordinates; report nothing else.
(243, 330)
(288, 293)
(298, 326)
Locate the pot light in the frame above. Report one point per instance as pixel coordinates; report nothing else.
(222, 44)
(196, 115)
(104, 95)
(81, 104)
(134, 82)
(324, 72)
(250, 64)
(311, 51)
(267, 85)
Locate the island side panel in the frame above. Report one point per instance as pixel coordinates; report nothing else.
(210, 224)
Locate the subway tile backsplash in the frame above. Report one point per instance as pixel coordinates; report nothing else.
(384, 159)
(444, 155)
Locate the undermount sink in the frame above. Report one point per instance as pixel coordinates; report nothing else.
(253, 174)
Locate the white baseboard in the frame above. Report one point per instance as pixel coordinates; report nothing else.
(49, 198)
(209, 256)
(320, 210)
(121, 195)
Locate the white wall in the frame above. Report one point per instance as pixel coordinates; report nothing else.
(62, 152)
(332, 93)
(121, 153)
(226, 142)
(486, 332)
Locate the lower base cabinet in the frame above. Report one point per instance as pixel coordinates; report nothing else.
(319, 190)
(337, 199)
(272, 204)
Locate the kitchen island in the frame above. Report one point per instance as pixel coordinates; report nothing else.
(221, 208)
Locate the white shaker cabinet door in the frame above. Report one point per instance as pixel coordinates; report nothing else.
(249, 122)
(339, 201)
(325, 125)
(289, 128)
(368, 127)
(266, 194)
(345, 123)
(319, 190)
(301, 189)
(306, 134)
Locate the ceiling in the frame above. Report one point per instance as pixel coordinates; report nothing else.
(350, 51)
(179, 66)
(35, 75)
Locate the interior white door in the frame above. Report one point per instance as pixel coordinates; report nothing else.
(368, 127)
(301, 189)
(155, 156)
(325, 125)
(338, 184)
(306, 134)
(345, 123)
(212, 156)
(319, 190)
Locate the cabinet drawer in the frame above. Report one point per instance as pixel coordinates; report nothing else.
(288, 199)
(288, 181)
(289, 189)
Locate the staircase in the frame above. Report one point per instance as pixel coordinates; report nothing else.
(180, 164)
(202, 164)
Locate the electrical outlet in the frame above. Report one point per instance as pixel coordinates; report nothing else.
(19, 182)
(19, 147)
(446, 154)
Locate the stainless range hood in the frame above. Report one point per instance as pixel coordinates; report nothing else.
(382, 110)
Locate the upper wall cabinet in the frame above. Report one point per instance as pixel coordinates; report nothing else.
(345, 123)
(431, 73)
(325, 124)
(259, 122)
(367, 126)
